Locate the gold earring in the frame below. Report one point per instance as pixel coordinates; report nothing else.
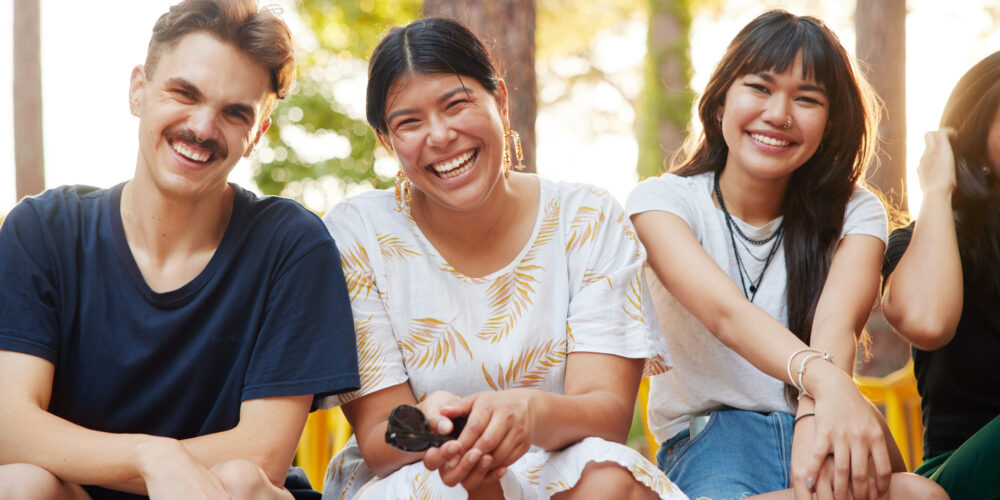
(509, 135)
(402, 191)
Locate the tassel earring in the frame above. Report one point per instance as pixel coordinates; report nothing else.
(512, 136)
(402, 191)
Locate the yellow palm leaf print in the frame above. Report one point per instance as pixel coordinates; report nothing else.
(394, 248)
(584, 227)
(446, 267)
(529, 369)
(370, 359)
(630, 234)
(509, 295)
(654, 365)
(550, 224)
(430, 342)
(357, 271)
(633, 304)
(420, 484)
(653, 478)
(590, 277)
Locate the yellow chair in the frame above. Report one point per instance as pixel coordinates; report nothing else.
(896, 394)
(325, 434)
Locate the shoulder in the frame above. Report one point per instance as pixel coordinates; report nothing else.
(362, 213)
(57, 209)
(576, 194)
(865, 200)
(280, 224)
(667, 191)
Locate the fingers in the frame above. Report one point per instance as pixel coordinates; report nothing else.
(859, 474)
(842, 469)
(824, 480)
(882, 466)
(478, 473)
(448, 453)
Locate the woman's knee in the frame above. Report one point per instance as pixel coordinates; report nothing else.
(19, 481)
(607, 480)
(909, 486)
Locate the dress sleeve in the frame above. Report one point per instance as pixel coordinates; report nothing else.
(380, 361)
(29, 296)
(610, 309)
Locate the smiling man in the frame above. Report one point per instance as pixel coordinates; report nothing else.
(167, 336)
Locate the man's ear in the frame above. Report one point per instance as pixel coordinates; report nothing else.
(260, 133)
(136, 85)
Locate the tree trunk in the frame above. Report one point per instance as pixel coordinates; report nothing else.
(665, 107)
(28, 154)
(881, 47)
(508, 29)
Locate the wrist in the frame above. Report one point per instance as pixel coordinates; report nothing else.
(151, 451)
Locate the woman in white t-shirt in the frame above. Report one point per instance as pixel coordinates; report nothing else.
(768, 250)
(488, 295)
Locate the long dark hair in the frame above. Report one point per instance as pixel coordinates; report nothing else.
(429, 45)
(971, 110)
(818, 190)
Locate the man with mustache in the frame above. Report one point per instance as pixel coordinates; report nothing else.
(167, 336)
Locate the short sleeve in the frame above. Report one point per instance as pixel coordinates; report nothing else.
(306, 340)
(610, 310)
(899, 241)
(29, 297)
(667, 193)
(865, 214)
(380, 361)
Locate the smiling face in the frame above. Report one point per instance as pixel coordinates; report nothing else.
(200, 111)
(757, 110)
(447, 133)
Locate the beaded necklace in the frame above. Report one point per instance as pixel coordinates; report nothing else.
(750, 291)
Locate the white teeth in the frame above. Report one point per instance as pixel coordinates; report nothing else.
(770, 141)
(189, 153)
(448, 168)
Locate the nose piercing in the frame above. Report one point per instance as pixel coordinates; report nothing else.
(788, 123)
(200, 140)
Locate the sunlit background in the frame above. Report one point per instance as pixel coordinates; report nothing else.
(585, 132)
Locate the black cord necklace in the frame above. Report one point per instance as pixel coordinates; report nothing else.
(754, 284)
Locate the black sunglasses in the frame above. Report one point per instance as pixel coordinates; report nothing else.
(409, 430)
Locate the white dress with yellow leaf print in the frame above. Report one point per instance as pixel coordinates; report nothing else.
(575, 286)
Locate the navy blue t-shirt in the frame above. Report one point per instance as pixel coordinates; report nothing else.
(268, 316)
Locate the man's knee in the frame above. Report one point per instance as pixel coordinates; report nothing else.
(18, 481)
(242, 478)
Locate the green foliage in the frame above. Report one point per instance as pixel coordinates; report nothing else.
(319, 132)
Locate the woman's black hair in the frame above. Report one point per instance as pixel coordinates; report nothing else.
(971, 110)
(429, 45)
(819, 189)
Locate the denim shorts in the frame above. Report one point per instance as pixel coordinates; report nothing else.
(738, 454)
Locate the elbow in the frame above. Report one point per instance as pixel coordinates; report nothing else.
(924, 329)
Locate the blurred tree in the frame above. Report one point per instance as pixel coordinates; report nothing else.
(319, 132)
(665, 110)
(881, 48)
(508, 28)
(29, 159)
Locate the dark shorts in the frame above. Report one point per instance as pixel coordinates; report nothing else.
(973, 470)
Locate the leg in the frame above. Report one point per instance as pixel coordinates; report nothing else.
(244, 479)
(902, 486)
(606, 480)
(971, 471)
(19, 481)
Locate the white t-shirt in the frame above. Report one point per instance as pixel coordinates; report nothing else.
(706, 373)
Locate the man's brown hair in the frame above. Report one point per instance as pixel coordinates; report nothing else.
(258, 33)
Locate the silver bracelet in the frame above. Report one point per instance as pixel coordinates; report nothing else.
(802, 369)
